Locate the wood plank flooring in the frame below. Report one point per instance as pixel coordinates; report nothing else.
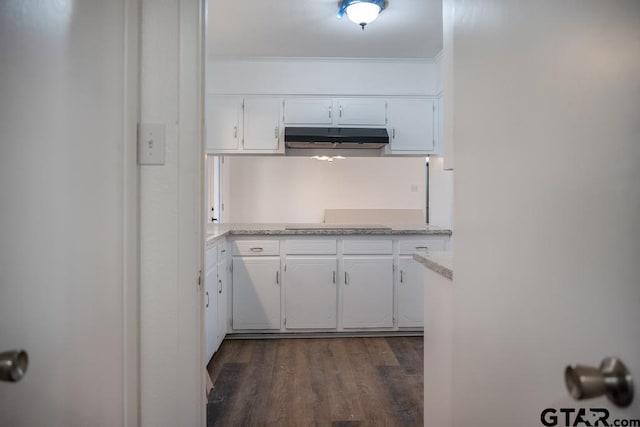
(337, 382)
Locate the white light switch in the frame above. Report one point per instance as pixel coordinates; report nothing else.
(151, 145)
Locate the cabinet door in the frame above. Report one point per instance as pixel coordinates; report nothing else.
(223, 123)
(307, 111)
(362, 112)
(410, 293)
(262, 124)
(367, 292)
(412, 125)
(310, 292)
(223, 302)
(210, 311)
(256, 293)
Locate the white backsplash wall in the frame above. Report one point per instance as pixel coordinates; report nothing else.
(440, 193)
(299, 189)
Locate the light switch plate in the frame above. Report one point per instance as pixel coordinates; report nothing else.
(151, 144)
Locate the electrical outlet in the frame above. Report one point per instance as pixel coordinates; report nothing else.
(414, 188)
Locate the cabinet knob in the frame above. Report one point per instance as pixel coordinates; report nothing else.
(275, 133)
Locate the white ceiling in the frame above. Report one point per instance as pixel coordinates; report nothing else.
(311, 28)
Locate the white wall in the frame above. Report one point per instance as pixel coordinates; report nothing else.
(172, 387)
(298, 189)
(323, 76)
(440, 193)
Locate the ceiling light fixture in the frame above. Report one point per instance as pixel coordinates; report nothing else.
(361, 12)
(328, 158)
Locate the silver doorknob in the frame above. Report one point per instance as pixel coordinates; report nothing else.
(612, 379)
(13, 365)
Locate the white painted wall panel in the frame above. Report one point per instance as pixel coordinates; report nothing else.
(170, 250)
(440, 193)
(322, 77)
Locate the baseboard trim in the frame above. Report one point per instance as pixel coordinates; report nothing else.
(287, 335)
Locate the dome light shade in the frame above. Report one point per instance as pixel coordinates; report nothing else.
(361, 12)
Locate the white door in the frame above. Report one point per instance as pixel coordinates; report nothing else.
(262, 123)
(310, 292)
(223, 118)
(412, 125)
(66, 140)
(223, 302)
(547, 206)
(308, 111)
(410, 293)
(367, 292)
(362, 111)
(211, 311)
(256, 293)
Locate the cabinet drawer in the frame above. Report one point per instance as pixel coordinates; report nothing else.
(407, 247)
(211, 256)
(370, 247)
(256, 247)
(311, 247)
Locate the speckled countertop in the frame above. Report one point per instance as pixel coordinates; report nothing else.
(439, 261)
(216, 231)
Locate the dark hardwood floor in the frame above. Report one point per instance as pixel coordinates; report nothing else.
(338, 382)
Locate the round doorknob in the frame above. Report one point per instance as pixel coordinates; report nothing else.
(13, 365)
(611, 379)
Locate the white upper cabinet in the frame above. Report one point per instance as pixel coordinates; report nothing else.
(412, 126)
(317, 111)
(262, 124)
(362, 112)
(308, 111)
(223, 123)
(255, 124)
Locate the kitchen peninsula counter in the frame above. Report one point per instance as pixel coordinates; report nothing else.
(439, 261)
(217, 231)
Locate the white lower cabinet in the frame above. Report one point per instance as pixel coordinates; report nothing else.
(347, 284)
(256, 292)
(311, 292)
(410, 293)
(367, 292)
(222, 290)
(210, 310)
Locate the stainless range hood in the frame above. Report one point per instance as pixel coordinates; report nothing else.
(335, 138)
